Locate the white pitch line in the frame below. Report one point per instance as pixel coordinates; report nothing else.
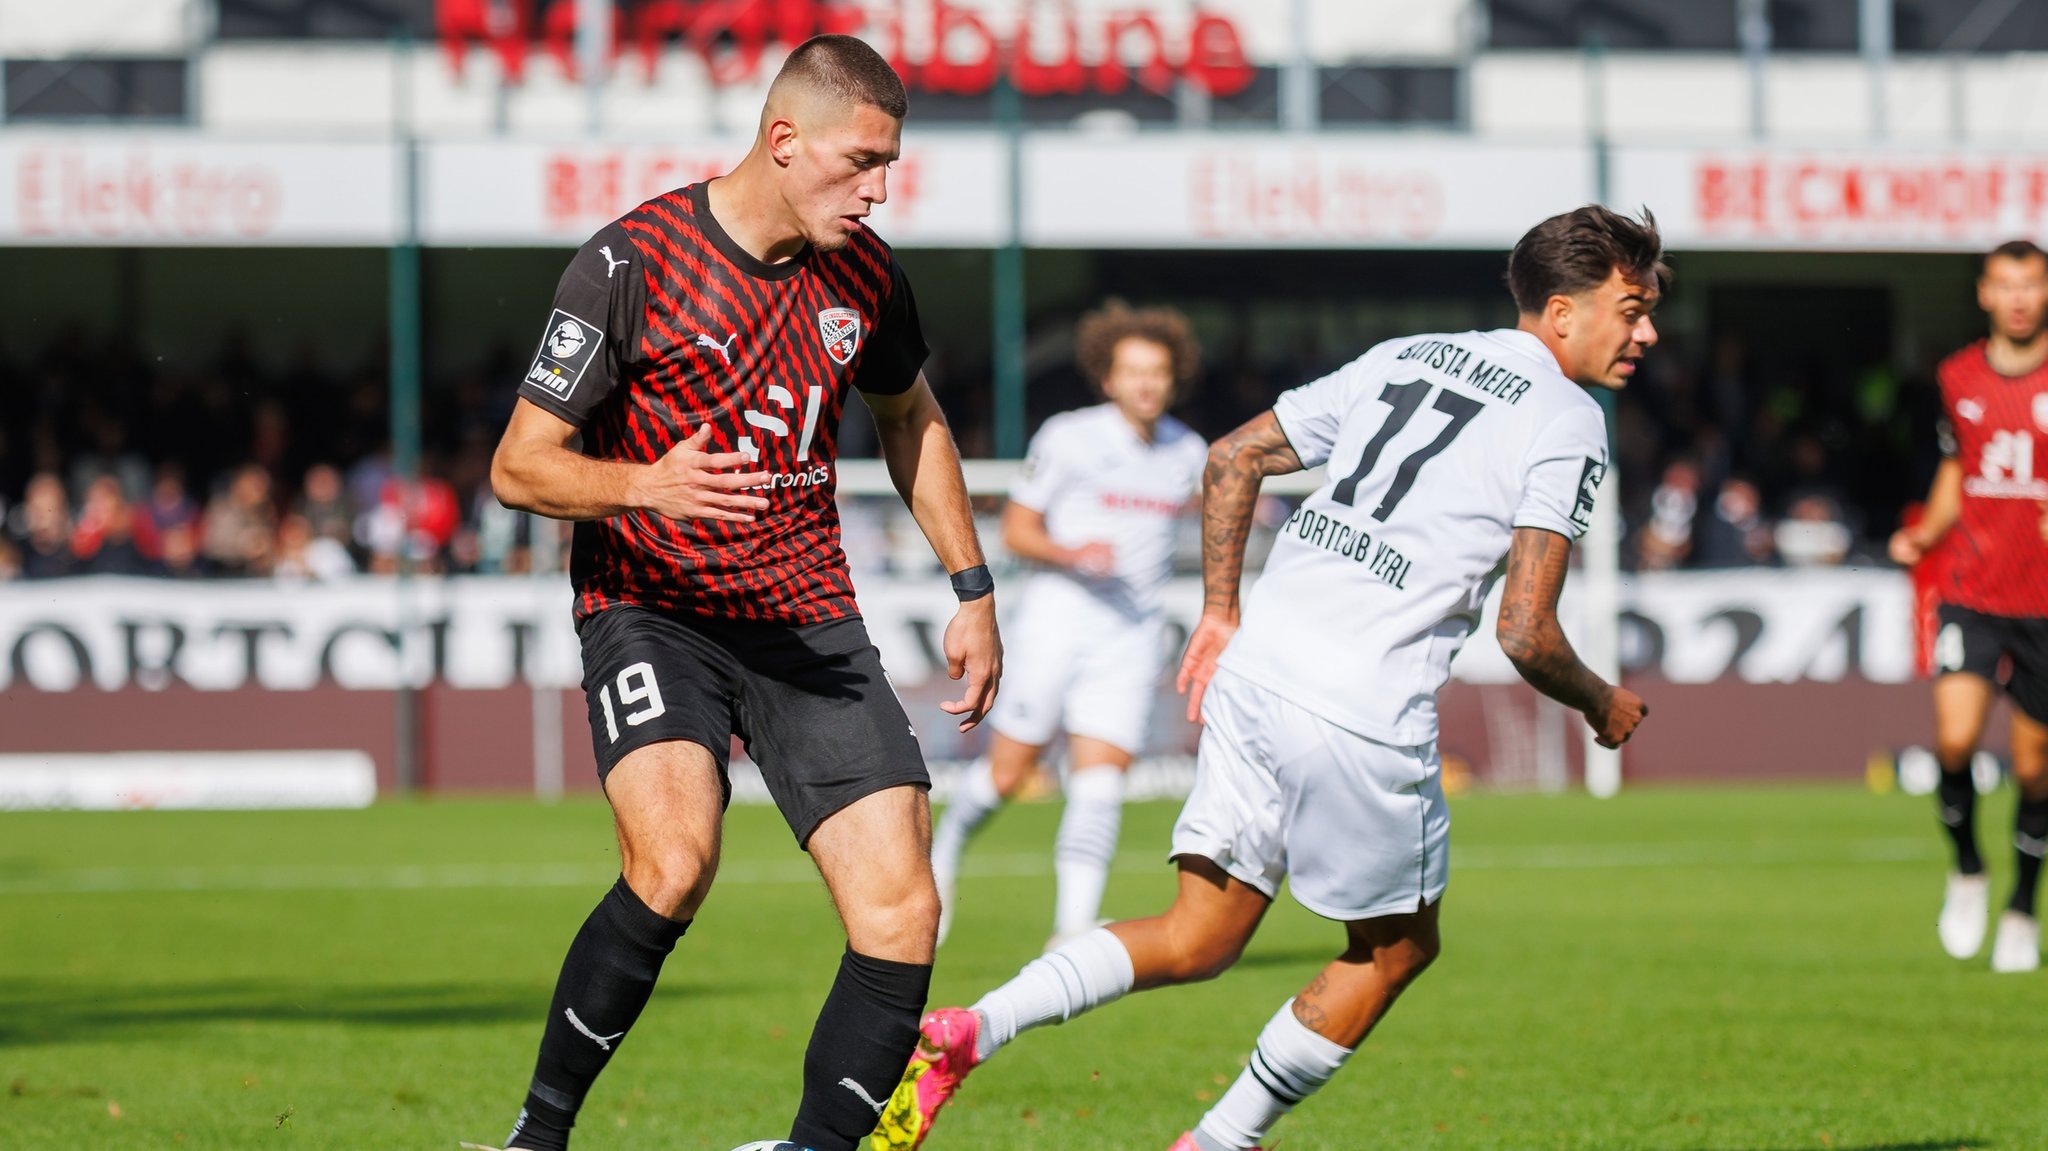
(440, 877)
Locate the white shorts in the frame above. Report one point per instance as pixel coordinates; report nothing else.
(1072, 661)
(1360, 825)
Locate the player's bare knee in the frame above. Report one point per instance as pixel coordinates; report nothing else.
(671, 879)
(2031, 777)
(1409, 958)
(902, 928)
(1400, 955)
(1010, 777)
(1953, 749)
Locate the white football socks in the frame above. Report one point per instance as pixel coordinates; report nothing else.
(1288, 1065)
(1079, 977)
(974, 799)
(1085, 846)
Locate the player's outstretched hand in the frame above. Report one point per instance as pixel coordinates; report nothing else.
(689, 483)
(974, 650)
(1613, 724)
(1094, 560)
(1198, 665)
(1907, 550)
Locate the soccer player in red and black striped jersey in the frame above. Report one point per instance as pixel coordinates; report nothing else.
(1988, 511)
(703, 347)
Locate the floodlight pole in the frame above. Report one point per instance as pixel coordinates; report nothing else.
(1299, 89)
(544, 546)
(1600, 548)
(404, 301)
(1753, 26)
(1874, 34)
(1009, 277)
(593, 47)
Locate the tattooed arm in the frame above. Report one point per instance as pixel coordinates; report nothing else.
(1536, 645)
(1230, 489)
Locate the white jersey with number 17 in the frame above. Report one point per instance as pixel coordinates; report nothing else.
(1438, 447)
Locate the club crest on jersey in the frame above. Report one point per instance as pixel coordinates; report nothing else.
(2041, 411)
(841, 329)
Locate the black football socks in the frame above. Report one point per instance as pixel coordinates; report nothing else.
(1956, 797)
(2030, 842)
(864, 1037)
(605, 982)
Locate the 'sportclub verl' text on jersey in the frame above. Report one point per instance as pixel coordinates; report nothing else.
(1996, 429)
(662, 324)
(1438, 447)
(1095, 479)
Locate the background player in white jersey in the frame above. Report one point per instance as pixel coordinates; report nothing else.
(1095, 508)
(1447, 454)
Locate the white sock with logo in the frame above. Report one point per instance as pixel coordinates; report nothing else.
(1079, 977)
(1288, 1065)
(1086, 845)
(974, 799)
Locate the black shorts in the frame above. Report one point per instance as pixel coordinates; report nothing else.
(810, 702)
(1973, 642)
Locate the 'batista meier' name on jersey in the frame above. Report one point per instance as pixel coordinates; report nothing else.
(1451, 359)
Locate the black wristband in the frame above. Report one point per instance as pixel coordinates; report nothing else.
(973, 583)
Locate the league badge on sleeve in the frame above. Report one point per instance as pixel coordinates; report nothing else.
(566, 350)
(1589, 487)
(841, 329)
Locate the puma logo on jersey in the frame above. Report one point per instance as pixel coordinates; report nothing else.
(723, 350)
(611, 265)
(604, 1041)
(1971, 410)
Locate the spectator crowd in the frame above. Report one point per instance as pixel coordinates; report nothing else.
(112, 465)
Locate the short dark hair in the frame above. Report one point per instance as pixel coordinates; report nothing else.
(1570, 253)
(2015, 250)
(846, 67)
(1102, 330)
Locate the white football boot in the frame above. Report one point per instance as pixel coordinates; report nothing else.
(1963, 912)
(2018, 945)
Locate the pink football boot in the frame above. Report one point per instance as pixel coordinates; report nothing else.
(944, 1056)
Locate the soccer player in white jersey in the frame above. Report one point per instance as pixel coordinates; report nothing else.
(1095, 508)
(1447, 454)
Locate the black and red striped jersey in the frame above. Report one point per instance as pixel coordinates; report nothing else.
(661, 324)
(1993, 427)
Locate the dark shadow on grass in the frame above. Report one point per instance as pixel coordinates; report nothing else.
(37, 1013)
(1920, 1145)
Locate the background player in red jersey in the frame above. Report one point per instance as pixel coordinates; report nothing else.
(1993, 496)
(702, 347)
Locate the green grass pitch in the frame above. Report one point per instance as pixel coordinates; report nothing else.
(1721, 970)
